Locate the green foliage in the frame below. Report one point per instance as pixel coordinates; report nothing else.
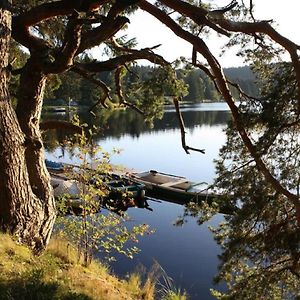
(91, 231)
(151, 90)
(261, 241)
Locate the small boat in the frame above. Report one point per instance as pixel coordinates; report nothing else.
(53, 166)
(64, 186)
(119, 188)
(116, 186)
(172, 187)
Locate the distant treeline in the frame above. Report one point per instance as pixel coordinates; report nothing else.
(200, 86)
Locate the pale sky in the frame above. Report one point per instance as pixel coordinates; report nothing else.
(150, 32)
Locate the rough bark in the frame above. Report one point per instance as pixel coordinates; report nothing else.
(27, 206)
(29, 108)
(22, 212)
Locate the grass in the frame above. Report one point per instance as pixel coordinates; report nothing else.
(56, 274)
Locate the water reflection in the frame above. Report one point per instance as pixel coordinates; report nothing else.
(260, 253)
(157, 148)
(121, 122)
(189, 253)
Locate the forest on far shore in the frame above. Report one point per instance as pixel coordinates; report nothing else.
(199, 86)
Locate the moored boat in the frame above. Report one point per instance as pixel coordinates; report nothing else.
(54, 167)
(118, 187)
(63, 186)
(172, 187)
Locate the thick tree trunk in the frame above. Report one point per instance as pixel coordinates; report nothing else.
(28, 213)
(29, 108)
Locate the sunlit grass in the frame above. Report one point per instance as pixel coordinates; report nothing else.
(56, 274)
(175, 295)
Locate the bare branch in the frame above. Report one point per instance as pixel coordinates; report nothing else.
(213, 78)
(206, 71)
(251, 10)
(182, 129)
(226, 8)
(119, 47)
(242, 93)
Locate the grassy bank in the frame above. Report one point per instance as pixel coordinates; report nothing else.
(56, 274)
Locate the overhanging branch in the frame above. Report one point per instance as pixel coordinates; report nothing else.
(105, 89)
(118, 83)
(182, 129)
(202, 48)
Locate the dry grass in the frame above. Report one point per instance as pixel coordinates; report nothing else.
(56, 274)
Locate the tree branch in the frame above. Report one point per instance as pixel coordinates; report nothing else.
(182, 129)
(110, 26)
(105, 31)
(226, 8)
(49, 10)
(118, 76)
(202, 48)
(106, 90)
(199, 15)
(65, 56)
(265, 28)
(114, 63)
(120, 6)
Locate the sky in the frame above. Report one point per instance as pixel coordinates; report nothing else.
(150, 32)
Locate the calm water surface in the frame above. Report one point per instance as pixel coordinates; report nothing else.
(188, 253)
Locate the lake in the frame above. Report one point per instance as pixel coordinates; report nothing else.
(188, 254)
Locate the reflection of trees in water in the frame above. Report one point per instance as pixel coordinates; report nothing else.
(119, 122)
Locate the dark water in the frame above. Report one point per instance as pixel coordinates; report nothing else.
(188, 253)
